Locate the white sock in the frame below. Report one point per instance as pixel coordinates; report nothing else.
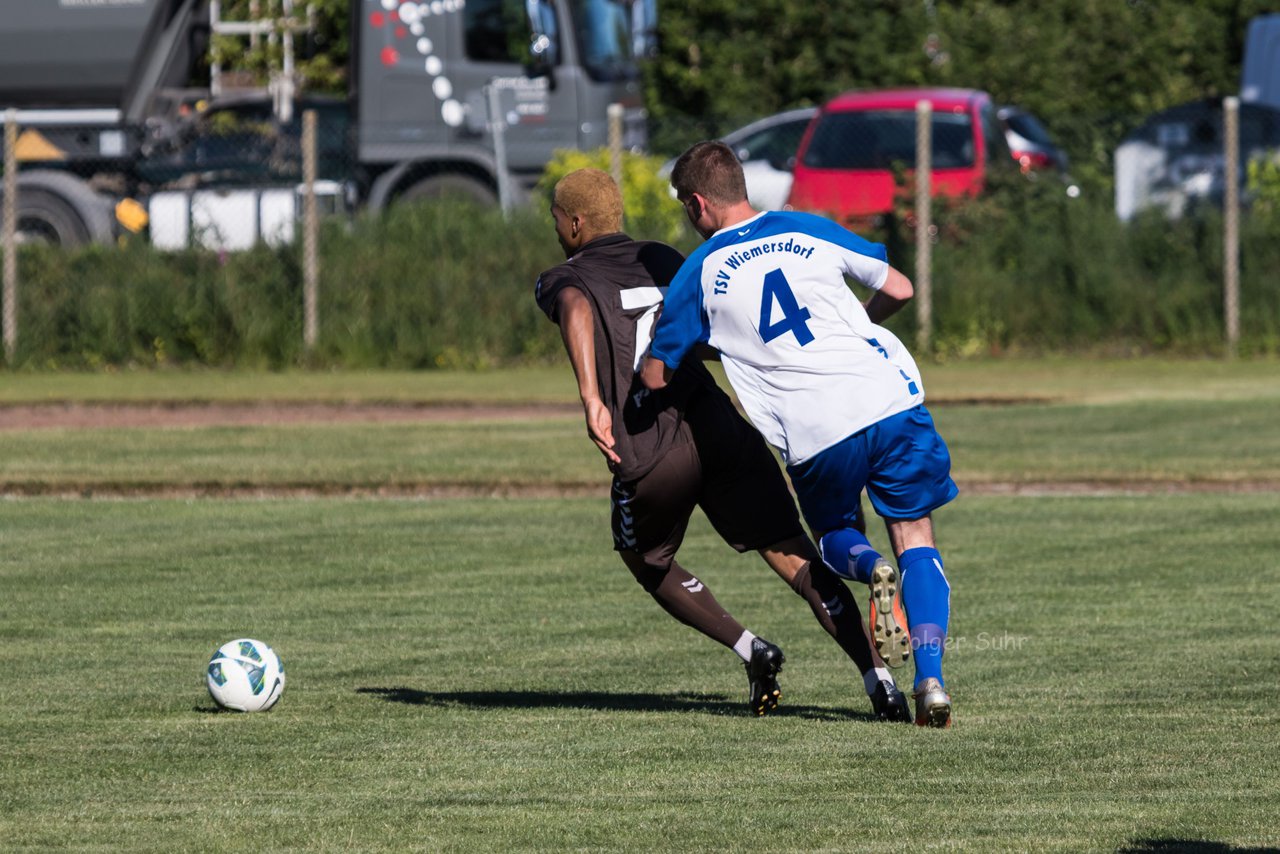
(743, 646)
(874, 677)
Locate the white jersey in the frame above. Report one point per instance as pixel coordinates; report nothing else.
(808, 365)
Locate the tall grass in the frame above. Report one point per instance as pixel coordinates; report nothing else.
(1024, 269)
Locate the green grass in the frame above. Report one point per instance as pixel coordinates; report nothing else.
(1166, 441)
(551, 452)
(484, 675)
(1063, 379)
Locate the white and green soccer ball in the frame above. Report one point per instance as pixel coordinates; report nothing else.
(245, 675)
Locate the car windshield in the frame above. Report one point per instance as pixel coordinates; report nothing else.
(776, 143)
(605, 38)
(876, 139)
(1027, 126)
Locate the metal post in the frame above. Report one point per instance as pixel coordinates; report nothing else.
(9, 235)
(284, 85)
(615, 113)
(310, 232)
(1231, 223)
(498, 127)
(215, 67)
(924, 224)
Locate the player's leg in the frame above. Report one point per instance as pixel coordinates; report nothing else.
(910, 478)
(848, 551)
(687, 599)
(829, 486)
(747, 501)
(927, 595)
(649, 520)
(797, 561)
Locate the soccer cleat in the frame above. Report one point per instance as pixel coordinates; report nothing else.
(762, 671)
(888, 619)
(933, 705)
(889, 704)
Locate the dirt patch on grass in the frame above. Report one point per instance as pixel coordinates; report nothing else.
(428, 491)
(187, 414)
(88, 416)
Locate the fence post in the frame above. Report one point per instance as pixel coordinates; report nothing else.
(9, 235)
(924, 225)
(498, 129)
(310, 233)
(615, 113)
(1231, 224)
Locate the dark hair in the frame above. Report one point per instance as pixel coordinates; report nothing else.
(711, 170)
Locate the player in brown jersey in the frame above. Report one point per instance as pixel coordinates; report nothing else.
(682, 446)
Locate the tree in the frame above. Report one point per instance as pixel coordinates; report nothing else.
(321, 54)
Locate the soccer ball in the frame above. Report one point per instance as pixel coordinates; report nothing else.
(245, 675)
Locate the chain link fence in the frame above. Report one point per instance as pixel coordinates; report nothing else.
(216, 182)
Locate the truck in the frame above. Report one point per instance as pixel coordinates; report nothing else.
(1176, 159)
(1260, 71)
(113, 136)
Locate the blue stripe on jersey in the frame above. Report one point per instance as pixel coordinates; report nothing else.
(785, 222)
(684, 321)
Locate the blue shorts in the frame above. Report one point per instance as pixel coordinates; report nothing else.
(901, 461)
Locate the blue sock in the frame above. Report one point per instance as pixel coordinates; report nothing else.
(850, 554)
(927, 597)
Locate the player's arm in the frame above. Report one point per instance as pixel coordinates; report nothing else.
(680, 328)
(577, 328)
(654, 373)
(867, 263)
(892, 295)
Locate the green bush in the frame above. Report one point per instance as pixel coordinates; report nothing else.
(436, 285)
(1264, 187)
(1023, 269)
(649, 209)
(1026, 268)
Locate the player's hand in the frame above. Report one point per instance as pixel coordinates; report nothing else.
(600, 428)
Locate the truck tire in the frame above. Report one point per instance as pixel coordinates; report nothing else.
(60, 209)
(460, 187)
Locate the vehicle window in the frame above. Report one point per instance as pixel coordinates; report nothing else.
(777, 143)
(604, 38)
(499, 31)
(876, 139)
(1028, 126)
(997, 147)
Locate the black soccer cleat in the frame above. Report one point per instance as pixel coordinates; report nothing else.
(889, 704)
(762, 672)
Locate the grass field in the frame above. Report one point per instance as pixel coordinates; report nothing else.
(482, 674)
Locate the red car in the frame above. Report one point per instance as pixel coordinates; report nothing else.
(844, 163)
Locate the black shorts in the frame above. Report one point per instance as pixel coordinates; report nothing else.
(730, 473)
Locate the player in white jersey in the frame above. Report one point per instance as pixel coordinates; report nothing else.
(837, 394)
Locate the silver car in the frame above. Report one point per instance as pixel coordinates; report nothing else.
(767, 149)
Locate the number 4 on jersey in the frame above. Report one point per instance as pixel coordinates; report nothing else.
(777, 289)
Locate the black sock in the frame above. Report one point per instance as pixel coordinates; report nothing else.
(691, 602)
(836, 610)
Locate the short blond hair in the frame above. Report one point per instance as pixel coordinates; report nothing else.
(593, 196)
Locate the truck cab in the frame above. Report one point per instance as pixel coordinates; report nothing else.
(434, 86)
(422, 113)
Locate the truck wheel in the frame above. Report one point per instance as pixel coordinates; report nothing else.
(61, 210)
(458, 187)
(44, 218)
